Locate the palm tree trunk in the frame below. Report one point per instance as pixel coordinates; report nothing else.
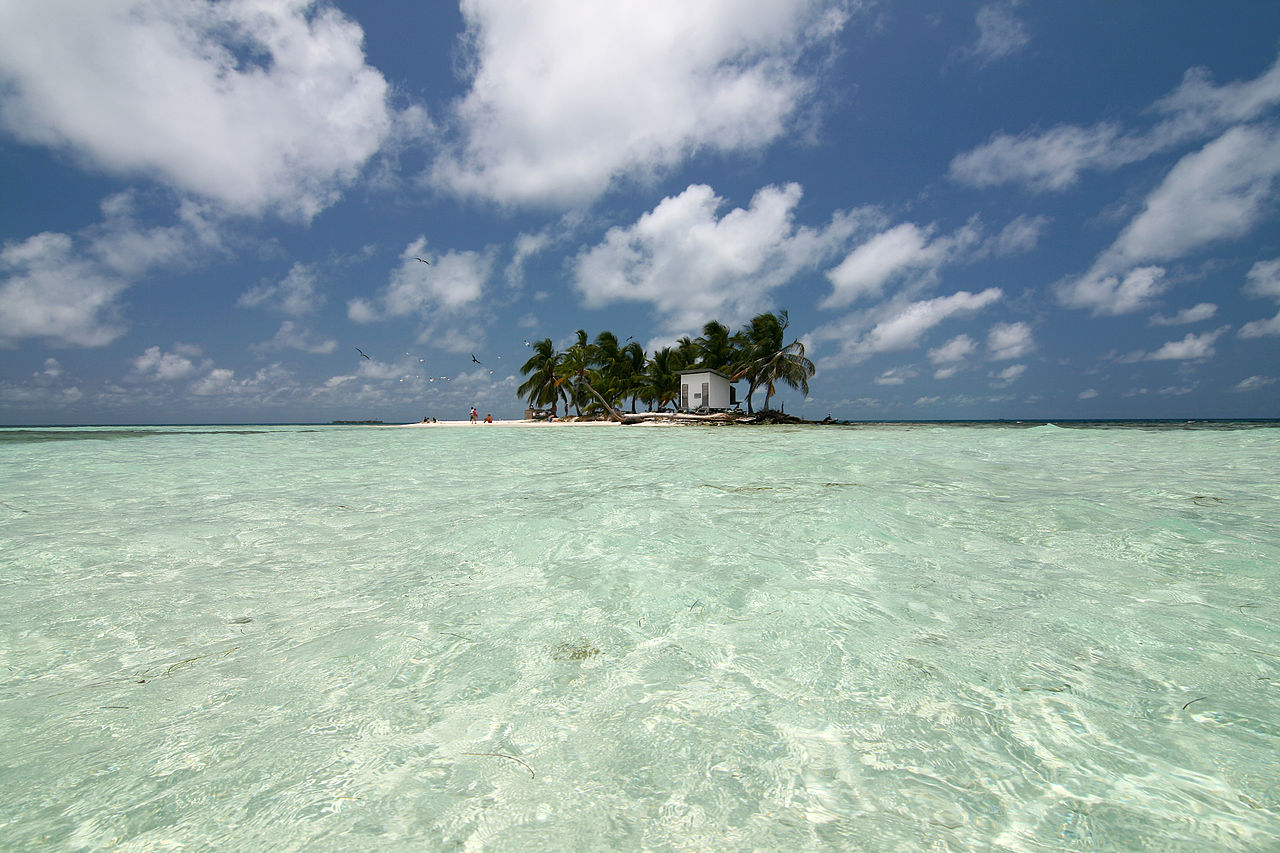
(613, 415)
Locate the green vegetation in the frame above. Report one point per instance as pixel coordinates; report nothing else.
(604, 375)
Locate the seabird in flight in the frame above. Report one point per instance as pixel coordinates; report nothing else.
(428, 263)
(362, 353)
(476, 360)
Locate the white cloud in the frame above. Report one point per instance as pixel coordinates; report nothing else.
(1260, 328)
(1253, 383)
(895, 376)
(1010, 373)
(898, 326)
(452, 281)
(162, 366)
(1217, 193)
(903, 250)
(52, 292)
(1049, 161)
(566, 97)
(256, 104)
(296, 294)
(1087, 394)
(1020, 235)
(1110, 295)
(1000, 33)
(1054, 159)
(362, 311)
(218, 381)
(1263, 279)
(693, 265)
(52, 369)
(292, 336)
(1009, 340)
(956, 349)
(1192, 347)
(1194, 314)
(866, 269)
(66, 288)
(1198, 104)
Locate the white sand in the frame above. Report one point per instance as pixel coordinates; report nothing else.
(522, 423)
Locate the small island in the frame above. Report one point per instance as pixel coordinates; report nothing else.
(691, 382)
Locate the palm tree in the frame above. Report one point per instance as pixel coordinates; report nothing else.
(661, 377)
(760, 339)
(633, 372)
(716, 347)
(687, 352)
(787, 365)
(575, 372)
(541, 388)
(607, 358)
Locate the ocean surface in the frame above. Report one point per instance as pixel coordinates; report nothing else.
(884, 637)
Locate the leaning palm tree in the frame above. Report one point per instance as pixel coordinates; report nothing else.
(757, 342)
(787, 365)
(541, 388)
(575, 372)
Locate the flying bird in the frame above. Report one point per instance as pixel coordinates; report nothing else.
(428, 263)
(476, 360)
(362, 353)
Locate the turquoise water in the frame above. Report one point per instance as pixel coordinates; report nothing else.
(494, 638)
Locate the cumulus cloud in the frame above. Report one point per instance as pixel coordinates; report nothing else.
(900, 251)
(866, 269)
(1217, 193)
(956, 349)
(1010, 373)
(453, 280)
(67, 288)
(258, 106)
(155, 364)
(1087, 394)
(1194, 314)
(1260, 328)
(1053, 160)
(1109, 295)
(53, 292)
(692, 264)
(566, 97)
(1190, 348)
(296, 294)
(899, 325)
(1263, 279)
(445, 297)
(1009, 340)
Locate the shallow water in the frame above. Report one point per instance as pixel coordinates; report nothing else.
(891, 637)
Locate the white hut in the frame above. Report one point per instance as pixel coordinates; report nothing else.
(706, 390)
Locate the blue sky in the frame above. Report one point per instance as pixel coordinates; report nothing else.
(969, 209)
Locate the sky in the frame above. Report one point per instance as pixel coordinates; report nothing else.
(213, 211)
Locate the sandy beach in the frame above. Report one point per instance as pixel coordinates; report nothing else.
(642, 419)
(513, 423)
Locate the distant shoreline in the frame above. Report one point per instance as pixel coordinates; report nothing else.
(651, 419)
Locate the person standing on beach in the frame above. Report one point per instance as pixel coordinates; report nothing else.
(473, 414)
